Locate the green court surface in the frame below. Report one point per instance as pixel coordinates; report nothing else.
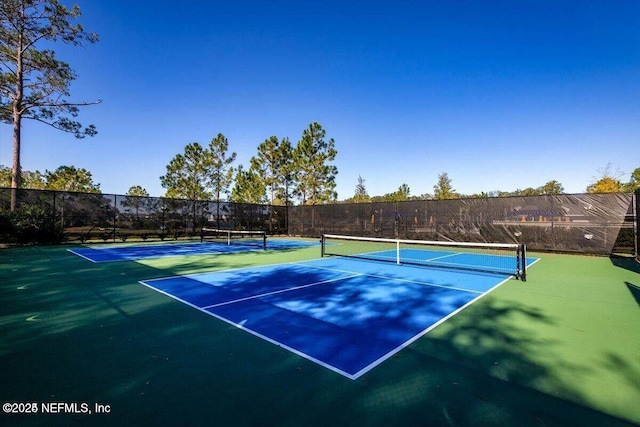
(561, 349)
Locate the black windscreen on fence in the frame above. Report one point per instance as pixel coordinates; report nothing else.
(637, 228)
(42, 216)
(586, 223)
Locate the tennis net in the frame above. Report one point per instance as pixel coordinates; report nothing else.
(234, 237)
(486, 257)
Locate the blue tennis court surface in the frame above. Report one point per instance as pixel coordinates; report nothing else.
(139, 252)
(448, 259)
(348, 315)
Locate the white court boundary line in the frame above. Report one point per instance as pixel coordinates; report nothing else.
(423, 333)
(114, 249)
(377, 276)
(352, 275)
(82, 256)
(295, 288)
(257, 334)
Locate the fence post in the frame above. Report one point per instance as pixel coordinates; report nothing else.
(115, 215)
(286, 217)
(636, 224)
(53, 216)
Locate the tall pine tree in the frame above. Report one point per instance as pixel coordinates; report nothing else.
(315, 175)
(33, 82)
(249, 187)
(188, 174)
(267, 163)
(361, 194)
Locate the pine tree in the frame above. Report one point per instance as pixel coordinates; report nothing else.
(248, 188)
(219, 169)
(315, 175)
(188, 174)
(361, 195)
(33, 82)
(268, 165)
(70, 178)
(443, 189)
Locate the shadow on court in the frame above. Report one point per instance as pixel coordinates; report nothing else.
(73, 331)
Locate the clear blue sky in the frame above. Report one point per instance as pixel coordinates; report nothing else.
(500, 94)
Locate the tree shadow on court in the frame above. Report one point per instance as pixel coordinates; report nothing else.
(73, 331)
(483, 370)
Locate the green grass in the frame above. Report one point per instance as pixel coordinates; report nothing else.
(562, 348)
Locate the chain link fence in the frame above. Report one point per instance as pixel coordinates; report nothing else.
(582, 223)
(45, 217)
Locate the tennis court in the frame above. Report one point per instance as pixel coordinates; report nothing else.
(110, 253)
(285, 337)
(347, 315)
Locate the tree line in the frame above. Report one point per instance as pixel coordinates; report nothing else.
(274, 176)
(64, 178)
(608, 182)
(279, 173)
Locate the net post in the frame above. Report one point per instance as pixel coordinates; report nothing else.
(398, 252)
(322, 242)
(228, 237)
(522, 262)
(264, 241)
